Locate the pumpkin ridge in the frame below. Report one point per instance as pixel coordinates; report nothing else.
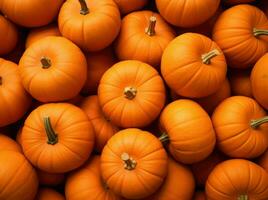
(237, 134)
(216, 190)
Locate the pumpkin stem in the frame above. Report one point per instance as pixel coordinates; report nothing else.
(46, 62)
(1, 80)
(51, 135)
(164, 137)
(129, 162)
(207, 56)
(243, 197)
(150, 30)
(130, 92)
(255, 123)
(258, 32)
(84, 9)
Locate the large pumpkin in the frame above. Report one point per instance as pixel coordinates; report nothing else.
(241, 32)
(187, 13)
(237, 179)
(18, 178)
(263, 161)
(131, 94)
(193, 65)
(48, 194)
(49, 179)
(240, 83)
(57, 137)
(14, 100)
(91, 24)
(189, 131)
(53, 69)
(146, 35)
(8, 144)
(240, 127)
(31, 13)
(127, 6)
(134, 163)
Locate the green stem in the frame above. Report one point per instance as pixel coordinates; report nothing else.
(208, 56)
(46, 62)
(150, 30)
(52, 137)
(255, 123)
(243, 197)
(258, 32)
(130, 92)
(130, 163)
(164, 137)
(84, 9)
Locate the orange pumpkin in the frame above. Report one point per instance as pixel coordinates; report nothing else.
(189, 131)
(200, 196)
(31, 13)
(48, 194)
(146, 35)
(57, 137)
(241, 32)
(134, 163)
(39, 33)
(184, 13)
(240, 127)
(240, 83)
(131, 94)
(127, 6)
(18, 178)
(14, 100)
(87, 182)
(53, 69)
(103, 128)
(6, 143)
(193, 65)
(49, 179)
(233, 2)
(91, 24)
(237, 179)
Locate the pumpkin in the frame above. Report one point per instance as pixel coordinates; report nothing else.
(53, 69)
(47, 193)
(14, 100)
(240, 127)
(39, 33)
(31, 13)
(91, 24)
(199, 196)
(240, 83)
(98, 63)
(18, 178)
(184, 13)
(8, 35)
(131, 94)
(103, 128)
(6, 143)
(146, 35)
(233, 2)
(87, 182)
(134, 163)
(237, 179)
(193, 65)
(241, 32)
(188, 129)
(127, 6)
(57, 137)
(49, 179)
(263, 161)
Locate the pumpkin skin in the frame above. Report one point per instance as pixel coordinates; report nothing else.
(47, 193)
(60, 77)
(14, 99)
(145, 162)
(200, 196)
(185, 69)
(146, 35)
(8, 35)
(236, 134)
(87, 182)
(191, 16)
(49, 179)
(234, 34)
(263, 161)
(39, 33)
(127, 6)
(189, 131)
(18, 174)
(234, 2)
(240, 83)
(233, 178)
(131, 94)
(6, 143)
(103, 128)
(31, 13)
(69, 149)
(93, 31)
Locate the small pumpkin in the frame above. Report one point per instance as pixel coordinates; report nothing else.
(131, 94)
(200, 196)
(240, 127)
(14, 100)
(54, 69)
(57, 137)
(127, 6)
(6, 143)
(193, 65)
(49, 179)
(263, 161)
(134, 163)
(91, 24)
(146, 35)
(234, 2)
(242, 33)
(237, 179)
(48, 194)
(240, 83)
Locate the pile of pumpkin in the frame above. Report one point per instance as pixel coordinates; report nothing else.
(132, 99)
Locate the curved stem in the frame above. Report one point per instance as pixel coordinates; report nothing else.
(52, 137)
(255, 123)
(130, 163)
(257, 32)
(208, 56)
(150, 30)
(164, 137)
(1, 80)
(46, 62)
(84, 9)
(130, 92)
(243, 197)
